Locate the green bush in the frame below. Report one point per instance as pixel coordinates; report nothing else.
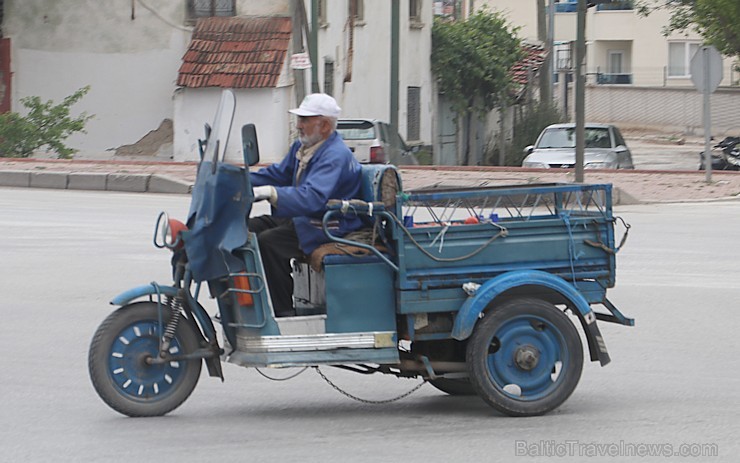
(46, 125)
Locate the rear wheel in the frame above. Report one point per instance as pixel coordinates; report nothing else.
(525, 357)
(119, 367)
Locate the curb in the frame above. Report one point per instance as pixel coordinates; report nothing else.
(132, 183)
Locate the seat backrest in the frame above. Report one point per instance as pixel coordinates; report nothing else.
(380, 182)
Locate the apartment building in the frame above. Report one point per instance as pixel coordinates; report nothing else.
(635, 75)
(622, 47)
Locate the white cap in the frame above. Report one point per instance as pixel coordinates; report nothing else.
(318, 104)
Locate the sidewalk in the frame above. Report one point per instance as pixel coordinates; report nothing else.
(631, 187)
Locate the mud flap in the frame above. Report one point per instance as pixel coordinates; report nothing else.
(596, 344)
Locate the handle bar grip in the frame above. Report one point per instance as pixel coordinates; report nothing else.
(355, 206)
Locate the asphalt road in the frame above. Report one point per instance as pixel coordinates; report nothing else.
(673, 384)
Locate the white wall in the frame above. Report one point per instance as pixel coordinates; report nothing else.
(131, 64)
(665, 108)
(59, 46)
(368, 93)
(266, 108)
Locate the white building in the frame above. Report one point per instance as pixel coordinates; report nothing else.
(622, 47)
(130, 53)
(355, 60)
(635, 76)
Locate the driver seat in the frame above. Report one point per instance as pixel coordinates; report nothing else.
(380, 183)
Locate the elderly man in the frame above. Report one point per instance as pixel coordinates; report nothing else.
(318, 167)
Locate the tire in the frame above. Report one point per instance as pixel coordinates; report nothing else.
(453, 386)
(525, 357)
(119, 373)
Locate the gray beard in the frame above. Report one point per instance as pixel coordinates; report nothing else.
(308, 142)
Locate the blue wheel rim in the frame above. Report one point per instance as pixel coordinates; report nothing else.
(129, 372)
(527, 335)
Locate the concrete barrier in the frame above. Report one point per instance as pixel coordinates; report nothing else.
(165, 184)
(56, 180)
(87, 181)
(137, 183)
(20, 178)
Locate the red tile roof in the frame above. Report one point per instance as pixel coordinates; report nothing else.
(236, 52)
(534, 56)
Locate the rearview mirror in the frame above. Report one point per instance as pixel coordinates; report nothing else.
(529, 149)
(249, 145)
(202, 143)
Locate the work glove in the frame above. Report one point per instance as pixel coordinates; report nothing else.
(265, 192)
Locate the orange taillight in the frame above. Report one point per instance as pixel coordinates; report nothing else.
(242, 282)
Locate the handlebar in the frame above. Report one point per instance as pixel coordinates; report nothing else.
(354, 206)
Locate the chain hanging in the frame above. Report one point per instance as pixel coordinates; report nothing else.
(367, 401)
(272, 378)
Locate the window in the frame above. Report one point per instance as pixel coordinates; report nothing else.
(615, 62)
(615, 5)
(356, 130)
(322, 12)
(328, 76)
(566, 6)
(618, 139)
(415, 11)
(413, 113)
(357, 9)
(207, 8)
(679, 58)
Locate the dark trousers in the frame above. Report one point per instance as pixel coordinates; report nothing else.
(278, 244)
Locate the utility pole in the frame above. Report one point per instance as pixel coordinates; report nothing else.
(298, 13)
(580, 88)
(395, 53)
(313, 46)
(542, 36)
(550, 63)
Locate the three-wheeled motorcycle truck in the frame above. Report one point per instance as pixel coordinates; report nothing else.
(474, 290)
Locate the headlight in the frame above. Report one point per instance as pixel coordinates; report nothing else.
(598, 165)
(732, 159)
(535, 165)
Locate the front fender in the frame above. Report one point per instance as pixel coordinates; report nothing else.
(143, 290)
(488, 291)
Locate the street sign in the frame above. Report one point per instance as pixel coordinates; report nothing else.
(706, 69)
(706, 74)
(300, 61)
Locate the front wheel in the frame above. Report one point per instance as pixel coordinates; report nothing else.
(525, 357)
(119, 367)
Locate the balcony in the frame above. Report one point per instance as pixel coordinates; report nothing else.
(615, 5)
(566, 7)
(613, 79)
(572, 6)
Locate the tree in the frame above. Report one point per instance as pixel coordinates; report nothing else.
(471, 60)
(46, 125)
(717, 21)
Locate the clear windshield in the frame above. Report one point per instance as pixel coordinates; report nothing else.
(359, 130)
(221, 128)
(565, 137)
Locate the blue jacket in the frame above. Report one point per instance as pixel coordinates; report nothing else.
(332, 173)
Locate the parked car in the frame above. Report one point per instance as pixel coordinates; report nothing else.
(374, 142)
(605, 148)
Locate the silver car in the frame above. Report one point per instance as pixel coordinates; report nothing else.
(374, 142)
(605, 148)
